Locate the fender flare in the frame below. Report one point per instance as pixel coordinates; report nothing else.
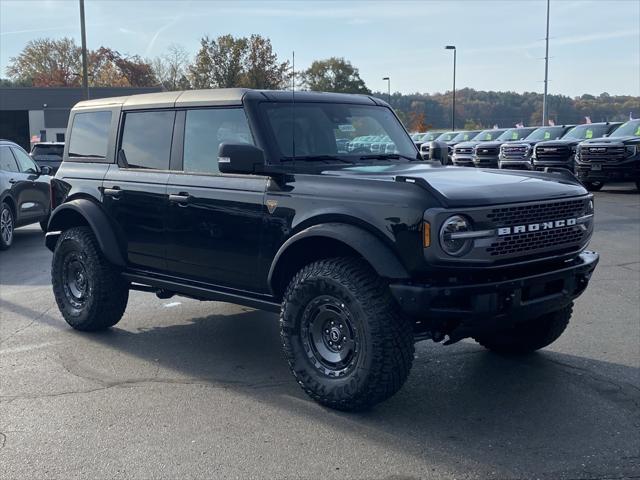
(97, 220)
(383, 260)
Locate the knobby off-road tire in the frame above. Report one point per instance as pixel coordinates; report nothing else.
(529, 336)
(90, 292)
(345, 341)
(7, 225)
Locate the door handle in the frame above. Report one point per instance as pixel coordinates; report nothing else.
(181, 199)
(112, 192)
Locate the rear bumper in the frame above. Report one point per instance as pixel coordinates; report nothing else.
(488, 305)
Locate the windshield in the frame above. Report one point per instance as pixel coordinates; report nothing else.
(514, 134)
(584, 132)
(447, 136)
(487, 135)
(629, 129)
(546, 133)
(465, 136)
(316, 130)
(54, 150)
(430, 136)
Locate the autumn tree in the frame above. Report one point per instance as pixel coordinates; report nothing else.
(171, 69)
(46, 62)
(237, 62)
(334, 75)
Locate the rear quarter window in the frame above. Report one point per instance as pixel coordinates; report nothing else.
(90, 135)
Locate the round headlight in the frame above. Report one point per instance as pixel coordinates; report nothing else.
(451, 243)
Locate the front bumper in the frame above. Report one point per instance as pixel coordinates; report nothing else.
(485, 162)
(462, 161)
(488, 306)
(609, 171)
(540, 165)
(524, 164)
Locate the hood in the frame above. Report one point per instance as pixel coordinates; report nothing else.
(616, 140)
(472, 187)
(468, 144)
(569, 142)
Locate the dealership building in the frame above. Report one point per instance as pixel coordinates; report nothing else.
(29, 115)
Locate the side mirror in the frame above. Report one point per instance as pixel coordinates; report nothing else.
(239, 158)
(45, 170)
(439, 152)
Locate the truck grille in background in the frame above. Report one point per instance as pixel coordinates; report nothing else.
(489, 151)
(553, 153)
(564, 238)
(589, 154)
(514, 152)
(463, 150)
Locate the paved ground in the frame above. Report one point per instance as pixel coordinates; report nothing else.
(182, 389)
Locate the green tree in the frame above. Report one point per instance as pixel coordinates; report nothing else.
(334, 75)
(262, 69)
(171, 68)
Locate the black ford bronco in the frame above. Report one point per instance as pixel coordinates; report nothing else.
(248, 197)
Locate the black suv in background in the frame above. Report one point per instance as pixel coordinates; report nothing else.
(24, 192)
(245, 196)
(463, 152)
(612, 159)
(517, 155)
(48, 154)
(485, 155)
(561, 153)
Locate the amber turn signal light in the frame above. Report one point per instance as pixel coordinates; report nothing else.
(426, 234)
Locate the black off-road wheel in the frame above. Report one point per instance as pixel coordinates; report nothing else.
(90, 292)
(7, 224)
(530, 336)
(594, 186)
(345, 341)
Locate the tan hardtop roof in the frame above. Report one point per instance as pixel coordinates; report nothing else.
(219, 96)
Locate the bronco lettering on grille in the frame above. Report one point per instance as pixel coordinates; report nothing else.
(534, 227)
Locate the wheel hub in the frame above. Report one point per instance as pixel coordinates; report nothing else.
(6, 226)
(75, 280)
(329, 336)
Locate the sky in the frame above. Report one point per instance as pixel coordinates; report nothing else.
(594, 45)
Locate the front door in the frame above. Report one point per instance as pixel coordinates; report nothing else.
(32, 192)
(135, 189)
(214, 221)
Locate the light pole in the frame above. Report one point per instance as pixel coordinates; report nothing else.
(453, 107)
(546, 71)
(388, 89)
(85, 77)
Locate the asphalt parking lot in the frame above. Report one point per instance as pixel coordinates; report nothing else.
(184, 389)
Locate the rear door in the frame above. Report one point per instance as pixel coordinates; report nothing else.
(32, 189)
(214, 220)
(135, 188)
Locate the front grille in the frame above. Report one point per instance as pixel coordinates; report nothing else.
(489, 151)
(603, 154)
(542, 212)
(514, 152)
(553, 153)
(463, 150)
(531, 241)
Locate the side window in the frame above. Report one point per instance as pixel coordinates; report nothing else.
(90, 135)
(7, 162)
(205, 130)
(25, 163)
(146, 139)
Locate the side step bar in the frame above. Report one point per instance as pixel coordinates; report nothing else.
(200, 292)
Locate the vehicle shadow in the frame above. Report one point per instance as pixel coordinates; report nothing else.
(547, 413)
(28, 259)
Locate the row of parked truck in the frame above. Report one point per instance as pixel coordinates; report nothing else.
(595, 152)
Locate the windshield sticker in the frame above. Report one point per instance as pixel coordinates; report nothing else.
(547, 135)
(589, 134)
(637, 134)
(346, 128)
(514, 136)
(487, 136)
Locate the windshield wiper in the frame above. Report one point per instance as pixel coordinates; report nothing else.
(316, 158)
(388, 156)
